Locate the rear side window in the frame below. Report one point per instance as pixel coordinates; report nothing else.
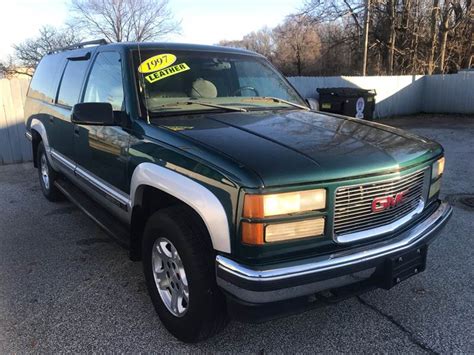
(105, 81)
(45, 80)
(71, 82)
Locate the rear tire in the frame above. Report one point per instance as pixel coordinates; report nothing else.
(176, 257)
(47, 175)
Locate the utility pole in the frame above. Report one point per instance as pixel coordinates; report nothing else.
(366, 36)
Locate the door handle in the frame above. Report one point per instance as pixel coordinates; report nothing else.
(76, 131)
(51, 120)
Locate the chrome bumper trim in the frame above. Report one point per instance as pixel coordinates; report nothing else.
(422, 232)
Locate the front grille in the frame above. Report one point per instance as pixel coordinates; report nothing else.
(353, 204)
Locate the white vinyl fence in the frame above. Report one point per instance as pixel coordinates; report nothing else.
(14, 147)
(403, 95)
(396, 95)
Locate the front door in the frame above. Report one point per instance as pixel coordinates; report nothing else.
(101, 151)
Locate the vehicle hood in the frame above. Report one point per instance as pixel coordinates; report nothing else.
(286, 147)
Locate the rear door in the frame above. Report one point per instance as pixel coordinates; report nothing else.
(60, 128)
(101, 151)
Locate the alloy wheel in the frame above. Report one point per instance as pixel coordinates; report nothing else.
(170, 277)
(44, 171)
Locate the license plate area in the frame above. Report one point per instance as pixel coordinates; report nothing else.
(403, 266)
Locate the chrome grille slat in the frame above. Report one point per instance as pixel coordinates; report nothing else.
(364, 204)
(369, 225)
(353, 204)
(377, 193)
(369, 215)
(357, 207)
(354, 201)
(404, 208)
(394, 182)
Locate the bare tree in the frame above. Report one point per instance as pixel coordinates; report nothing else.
(454, 13)
(404, 37)
(261, 41)
(28, 53)
(124, 20)
(350, 16)
(297, 45)
(433, 36)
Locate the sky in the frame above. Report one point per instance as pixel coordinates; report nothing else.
(203, 21)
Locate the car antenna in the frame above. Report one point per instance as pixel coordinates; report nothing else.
(144, 85)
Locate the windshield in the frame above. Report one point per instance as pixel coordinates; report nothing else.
(178, 81)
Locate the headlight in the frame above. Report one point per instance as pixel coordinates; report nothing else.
(436, 172)
(438, 169)
(434, 188)
(259, 233)
(294, 230)
(261, 206)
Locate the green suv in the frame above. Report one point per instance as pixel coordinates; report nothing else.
(240, 199)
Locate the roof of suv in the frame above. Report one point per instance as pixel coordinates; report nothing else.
(183, 47)
(164, 46)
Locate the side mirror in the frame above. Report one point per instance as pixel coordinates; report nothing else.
(93, 113)
(313, 103)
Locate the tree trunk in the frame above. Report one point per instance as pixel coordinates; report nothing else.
(366, 37)
(444, 40)
(392, 36)
(444, 29)
(433, 35)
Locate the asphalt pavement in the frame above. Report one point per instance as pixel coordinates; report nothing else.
(66, 286)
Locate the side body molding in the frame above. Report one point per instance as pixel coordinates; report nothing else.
(203, 201)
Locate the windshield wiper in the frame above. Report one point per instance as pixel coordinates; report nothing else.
(281, 101)
(197, 102)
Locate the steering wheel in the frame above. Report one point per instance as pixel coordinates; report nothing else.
(251, 88)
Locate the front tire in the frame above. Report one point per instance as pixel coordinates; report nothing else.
(179, 271)
(47, 175)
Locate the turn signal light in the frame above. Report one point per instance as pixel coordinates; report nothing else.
(252, 233)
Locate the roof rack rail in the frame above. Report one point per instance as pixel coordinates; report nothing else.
(80, 45)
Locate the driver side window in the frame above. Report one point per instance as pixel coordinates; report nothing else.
(252, 75)
(105, 81)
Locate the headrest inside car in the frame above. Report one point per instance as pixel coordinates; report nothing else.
(203, 88)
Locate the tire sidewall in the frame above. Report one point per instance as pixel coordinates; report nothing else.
(202, 291)
(42, 151)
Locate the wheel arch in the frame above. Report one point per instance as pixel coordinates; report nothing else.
(38, 133)
(166, 187)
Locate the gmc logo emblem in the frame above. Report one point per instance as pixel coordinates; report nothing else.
(380, 204)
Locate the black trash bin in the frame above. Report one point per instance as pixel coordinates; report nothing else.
(359, 103)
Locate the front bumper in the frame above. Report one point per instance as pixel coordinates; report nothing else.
(264, 285)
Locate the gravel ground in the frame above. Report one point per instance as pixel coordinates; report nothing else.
(65, 286)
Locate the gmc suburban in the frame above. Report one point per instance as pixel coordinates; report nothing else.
(239, 198)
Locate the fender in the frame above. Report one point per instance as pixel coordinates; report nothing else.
(199, 198)
(38, 126)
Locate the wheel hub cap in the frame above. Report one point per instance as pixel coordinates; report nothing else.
(170, 277)
(44, 171)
